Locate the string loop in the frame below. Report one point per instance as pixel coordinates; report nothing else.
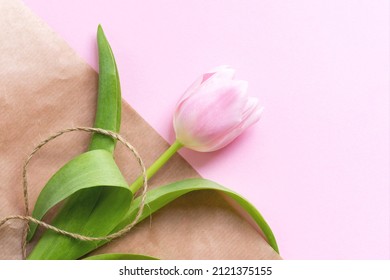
(28, 218)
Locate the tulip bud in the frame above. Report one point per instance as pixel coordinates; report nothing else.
(214, 110)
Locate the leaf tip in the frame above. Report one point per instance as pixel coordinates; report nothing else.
(100, 30)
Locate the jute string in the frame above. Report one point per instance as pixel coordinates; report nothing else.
(26, 217)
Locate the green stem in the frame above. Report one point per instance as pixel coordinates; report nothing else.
(160, 162)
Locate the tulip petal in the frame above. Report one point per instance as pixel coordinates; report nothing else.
(251, 116)
(205, 117)
(222, 72)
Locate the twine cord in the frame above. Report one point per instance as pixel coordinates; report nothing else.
(26, 217)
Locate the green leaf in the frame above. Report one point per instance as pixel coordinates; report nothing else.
(159, 197)
(97, 196)
(108, 113)
(120, 257)
(92, 169)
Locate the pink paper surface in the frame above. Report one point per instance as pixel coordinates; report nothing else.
(317, 164)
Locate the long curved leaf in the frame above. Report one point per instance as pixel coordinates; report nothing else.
(94, 205)
(108, 112)
(159, 197)
(107, 257)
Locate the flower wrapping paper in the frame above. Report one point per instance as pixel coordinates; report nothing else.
(45, 87)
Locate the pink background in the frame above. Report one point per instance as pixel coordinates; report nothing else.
(317, 164)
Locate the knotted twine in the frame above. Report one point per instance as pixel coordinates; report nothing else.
(26, 217)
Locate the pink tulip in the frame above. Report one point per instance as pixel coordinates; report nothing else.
(214, 111)
(211, 114)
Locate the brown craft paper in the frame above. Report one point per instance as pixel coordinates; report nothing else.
(46, 87)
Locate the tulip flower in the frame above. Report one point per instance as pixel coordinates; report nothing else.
(213, 111)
